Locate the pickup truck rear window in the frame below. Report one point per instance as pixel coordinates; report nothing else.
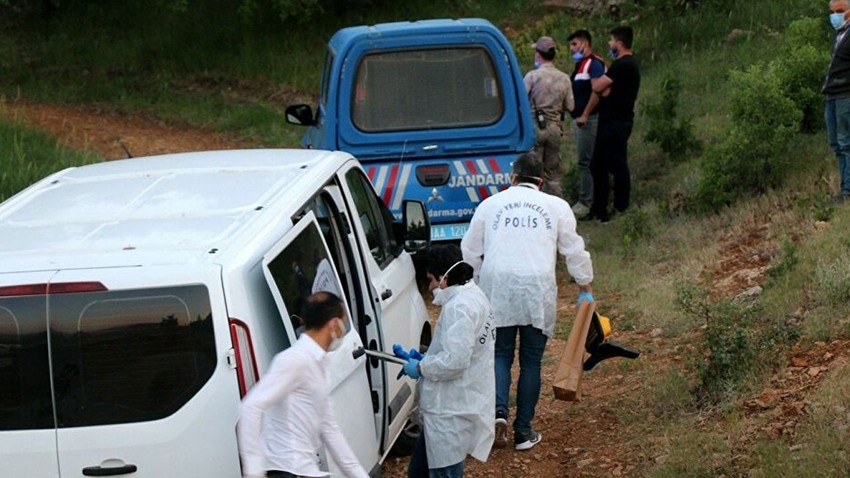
(426, 89)
(117, 356)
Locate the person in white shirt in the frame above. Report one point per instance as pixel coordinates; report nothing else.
(456, 387)
(287, 416)
(512, 242)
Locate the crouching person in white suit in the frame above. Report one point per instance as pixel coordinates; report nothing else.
(457, 383)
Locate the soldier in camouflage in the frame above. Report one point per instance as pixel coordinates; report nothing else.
(550, 92)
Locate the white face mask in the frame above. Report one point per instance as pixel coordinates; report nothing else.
(336, 340)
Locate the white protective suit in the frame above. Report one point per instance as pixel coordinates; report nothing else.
(457, 391)
(512, 243)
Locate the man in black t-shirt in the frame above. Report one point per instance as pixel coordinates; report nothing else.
(618, 90)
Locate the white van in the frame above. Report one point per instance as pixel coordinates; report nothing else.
(140, 299)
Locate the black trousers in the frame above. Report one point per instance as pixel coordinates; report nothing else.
(279, 474)
(610, 157)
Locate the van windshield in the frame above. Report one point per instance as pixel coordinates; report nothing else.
(426, 89)
(117, 356)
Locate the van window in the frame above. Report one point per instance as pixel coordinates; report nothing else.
(301, 269)
(331, 224)
(25, 401)
(117, 356)
(463, 90)
(131, 355)
(374, 217)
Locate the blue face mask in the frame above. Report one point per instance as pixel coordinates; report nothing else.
(613, 52)
(836, 19)
(577, 56)
(536, 64)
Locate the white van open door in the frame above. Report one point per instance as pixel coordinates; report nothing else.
(297, 266)
(399, 305)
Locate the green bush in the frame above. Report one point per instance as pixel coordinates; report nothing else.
(731, 350)
(801, 73)
(809, 31)
(758, 100)
(674, 135)
(738, 338)
(750, 158)
(770, 102)
(635, 225)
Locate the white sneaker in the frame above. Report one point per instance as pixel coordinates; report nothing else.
(531, 439)
(580, 209)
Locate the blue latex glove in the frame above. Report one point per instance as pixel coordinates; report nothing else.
(411, 369)
(399, 352)
(584, 297)
(416, 354)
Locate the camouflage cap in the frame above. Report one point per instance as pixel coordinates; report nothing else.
(544, 44)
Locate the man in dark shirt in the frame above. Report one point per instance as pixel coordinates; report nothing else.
(836, 87)
(589, 66)
(618, 90)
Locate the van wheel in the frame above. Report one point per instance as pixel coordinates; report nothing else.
(406, 441)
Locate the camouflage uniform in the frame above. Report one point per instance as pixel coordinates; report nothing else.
(550, 91)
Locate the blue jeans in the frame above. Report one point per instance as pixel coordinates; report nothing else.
(585, 139)
(418, 466)
(532, 342)
(837, 116)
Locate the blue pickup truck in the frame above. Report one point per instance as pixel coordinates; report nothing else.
(435, 110)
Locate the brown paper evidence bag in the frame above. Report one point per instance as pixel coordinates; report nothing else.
(587, 345)
(569, 372)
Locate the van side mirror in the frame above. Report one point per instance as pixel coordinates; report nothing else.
(300, 114)
(417, 227)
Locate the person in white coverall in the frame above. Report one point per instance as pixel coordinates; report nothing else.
(457, 383)
(512, 242)
(287, 416)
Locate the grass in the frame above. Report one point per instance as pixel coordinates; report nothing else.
(27, 155)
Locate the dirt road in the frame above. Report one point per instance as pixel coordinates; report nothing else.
(113, 136)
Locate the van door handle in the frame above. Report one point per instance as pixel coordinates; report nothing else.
(110, 471)
(386, 294)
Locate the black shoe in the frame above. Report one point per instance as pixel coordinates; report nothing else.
(501, 430)
(601, 216)
(587, 217)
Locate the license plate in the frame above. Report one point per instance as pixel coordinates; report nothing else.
(448, 232)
